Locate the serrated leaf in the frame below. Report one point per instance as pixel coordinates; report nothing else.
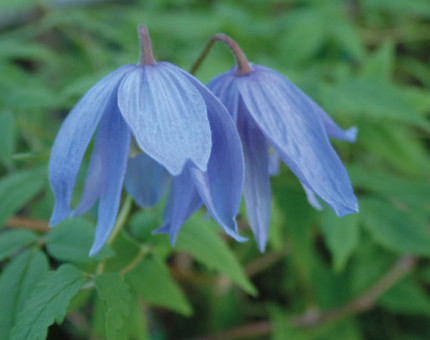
(17, 281)
(115, 295)
(393, 229)
(406, 297)
(17, 189)
(47, 303)
(341, 236)
(14, 240)
(7, 138)
(71, 241)
(152, 280)
(199, 238)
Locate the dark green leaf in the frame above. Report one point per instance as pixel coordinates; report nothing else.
(17, 189)
(115, 295)
(17, 282)
(72, 239)
(200, 238)
(7, 138)
(47, 303)
(152, 280)
(14, 240)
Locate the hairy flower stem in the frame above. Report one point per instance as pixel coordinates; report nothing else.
(122, 218)
(243, 67)
(146, 57)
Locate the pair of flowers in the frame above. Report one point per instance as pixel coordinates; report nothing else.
(191, 138)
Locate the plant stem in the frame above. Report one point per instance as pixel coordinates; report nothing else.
(243, 67)
(144, 250)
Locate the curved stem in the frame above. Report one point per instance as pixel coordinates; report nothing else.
(146, 57)
(243, 67)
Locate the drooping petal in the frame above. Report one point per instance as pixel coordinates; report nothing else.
(297, 134)
(274, 166)
(73, 139)
(146, 180)
(332, 129)
(256, 188)
(225, 88)
(182, 202)
(221, 185)
(167, 116)
(312, 199)
(116, 136)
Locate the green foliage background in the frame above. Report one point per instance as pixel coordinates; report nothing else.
(365, 276)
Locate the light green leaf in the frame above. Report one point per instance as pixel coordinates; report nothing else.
(115, 295)
(152, 280)
(7, 138)
(47, 303)
(14, 240)
(393, 229)
(381, 62)
(281, 328)
(200, 238)
(72, 239)
(17, 281)
(341, 235)
(406, 297)
(17, 189)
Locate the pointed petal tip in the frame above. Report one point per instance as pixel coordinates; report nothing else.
(95, 249)
(351, 134)
(343, 211)
(165, 229)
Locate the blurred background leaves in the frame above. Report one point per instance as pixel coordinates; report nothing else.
(367, 62)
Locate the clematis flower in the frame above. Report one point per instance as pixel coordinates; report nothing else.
(181, 127)
(269, 110)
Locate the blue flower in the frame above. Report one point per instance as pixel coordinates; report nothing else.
(175, 120)
(270, 111)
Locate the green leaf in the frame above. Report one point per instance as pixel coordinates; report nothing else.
(393, 229)
(152, 280)
(200, 238)
(17, 189)
(47, 303)
(115, 295)
(381, 63)
(406, 297)
(14, 240)
(7, 138)
(17, 281)
(341, 235)
(281, 328)
(71, 241)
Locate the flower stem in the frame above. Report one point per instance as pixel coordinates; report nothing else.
(146, 56)
(243, 67)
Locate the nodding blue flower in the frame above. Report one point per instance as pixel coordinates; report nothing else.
(270, 111)
(181, 127)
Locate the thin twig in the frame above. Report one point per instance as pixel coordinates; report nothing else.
(314, 318)
(27, 223)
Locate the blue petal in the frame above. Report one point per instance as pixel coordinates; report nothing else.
(288, 119)
(225, 88)
(73, 139)
(146, 180)
(332, 129)
(274, 166)
(167, 116)
(183, 201)
(221, 185)
(115, 136)
(256, 189)
(312, 199)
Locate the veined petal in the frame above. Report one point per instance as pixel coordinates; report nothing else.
(167, 116)
(256, 188)
(116, 141)
(297, 134)
(221, 185)
(146, 180)
(182, 202)
(225, 88)
(73, 138)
